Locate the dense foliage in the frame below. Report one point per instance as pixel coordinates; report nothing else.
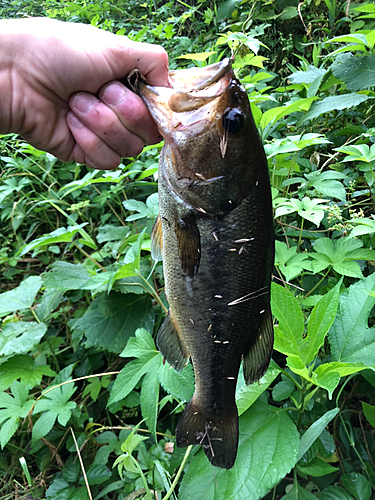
(87, 407)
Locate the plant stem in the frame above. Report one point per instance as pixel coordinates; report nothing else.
(143, 477)
(316, 286)
(179, 472)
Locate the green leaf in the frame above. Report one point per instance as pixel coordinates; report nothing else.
(298, 493)
(20, 337)
(23, 367)
(357, 485)
(112, 319)
(65, 276)
(20, 298)
(307, 76)
(317, 468)
(60, 235)
(334, 493)
(13, 407)
(289, 262)
(351, 339)
(150, 400)
(320, 321)
(179, 384)
(333, 103)
(369, 412)
(96, 474)
(314, 431)
(275, 114)
(110, 232)
(246, 395)
(283, 390)
(327, 183)
(358, 73)
(51, 299)
(268, 447)
(55, 405)
(201, 56)
(291, 325)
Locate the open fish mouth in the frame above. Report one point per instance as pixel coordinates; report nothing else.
(189, 100)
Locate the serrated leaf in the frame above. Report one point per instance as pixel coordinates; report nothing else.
(24, 368)
(111, 232)
(65, 276)
(289, 262)
(268, 447)
(291, 324)
(20, 337)
(333, 103)
(13, 407)
(179, 384)
(20, 298)
(96, 474)
(246, 395)
(56, 406)
(351, 340)
(307, 76)
(358, 73)
(51, 299)
(112, 319)
(317, 468)
(334, 493)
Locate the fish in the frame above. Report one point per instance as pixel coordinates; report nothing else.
(214, 234)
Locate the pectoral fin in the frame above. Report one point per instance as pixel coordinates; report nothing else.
(256, 361)
(189, 244)
(171, 345)
(157, 240)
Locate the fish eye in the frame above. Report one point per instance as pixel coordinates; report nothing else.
(233, 121)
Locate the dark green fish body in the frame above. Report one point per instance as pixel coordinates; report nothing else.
(217, 248)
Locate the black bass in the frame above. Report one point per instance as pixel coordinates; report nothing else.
(215, 236)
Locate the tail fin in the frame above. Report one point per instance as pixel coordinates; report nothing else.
(217, 434)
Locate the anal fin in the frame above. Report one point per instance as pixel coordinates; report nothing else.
(157, 240)
(256, 361)
(171, 345)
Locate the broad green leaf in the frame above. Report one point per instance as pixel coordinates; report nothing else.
(55, 405)
(268, 448)
(358, 152)
(201, 56)
(352, 38)
(333, 103)
(334, 493)
(23, 367)
(289, 262)
(320, 321)
(358, 73)
(140, 346)
(369, 412)
(60, 235)
(298, 493)
(179, 384)
(308, 76)
(291, 325)
(327, 183)
(150, 400)
(13, 407)
(275, 114)
(282, 390)
(328, 374)
(20, 298)
(357, 485)
(96, 474)
(51, 299)
(65, 276)
(112, 319)
(110, 232)
(317, 468)
(246, 395)
(314, 431)
(20, 337)
(351, 339)
(310, 209)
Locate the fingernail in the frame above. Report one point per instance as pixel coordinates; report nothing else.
(84, 102)
(113, 94)
(74, 121)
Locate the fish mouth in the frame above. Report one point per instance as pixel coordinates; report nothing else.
(188, 103)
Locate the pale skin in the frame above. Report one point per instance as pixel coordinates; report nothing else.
(60, 89)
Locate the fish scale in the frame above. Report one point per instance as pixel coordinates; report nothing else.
(215, 236)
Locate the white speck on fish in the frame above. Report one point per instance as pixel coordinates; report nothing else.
(226, 342)
(191, 321)
(257, 182)
(218, 296)
(250, 296)
(217, 341)
(261, 312)
(201, 210)
(209, 327)
(215, 237)
(230, 378)
(232, 249)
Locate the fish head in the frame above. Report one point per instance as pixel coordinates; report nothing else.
(213, 153)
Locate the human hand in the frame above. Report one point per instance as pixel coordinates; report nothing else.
(60, 90)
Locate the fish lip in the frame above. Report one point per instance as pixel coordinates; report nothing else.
(185, 104)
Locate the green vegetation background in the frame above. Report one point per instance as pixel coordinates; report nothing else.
(87, 407)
